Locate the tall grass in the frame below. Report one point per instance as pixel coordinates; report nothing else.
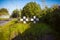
(13, 28)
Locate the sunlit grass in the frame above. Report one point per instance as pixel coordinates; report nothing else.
(11, 29)
(5, 30)
(18, 28)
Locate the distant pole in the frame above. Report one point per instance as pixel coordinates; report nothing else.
(16, 4)
(43, 3)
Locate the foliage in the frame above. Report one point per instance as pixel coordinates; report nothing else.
(31, 9)
(53, 18)
(3, 11)
(15, 14)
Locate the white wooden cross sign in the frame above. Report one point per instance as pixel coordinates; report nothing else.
(34, 19)
(24, 19)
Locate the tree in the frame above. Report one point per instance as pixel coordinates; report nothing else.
(44, 11)
(53, 17)
(15, 14)
(56, 17)
(3, 11)
(31, 9)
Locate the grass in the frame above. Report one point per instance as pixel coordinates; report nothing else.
(11, 29)
(3, 18)
(19, 27)
(36, 30)
(5, 30)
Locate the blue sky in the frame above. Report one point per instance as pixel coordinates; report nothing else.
(19, 4)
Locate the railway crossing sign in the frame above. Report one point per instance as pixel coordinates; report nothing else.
(34, 19)
(25, 19)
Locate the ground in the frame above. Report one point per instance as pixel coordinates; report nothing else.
(13, 29)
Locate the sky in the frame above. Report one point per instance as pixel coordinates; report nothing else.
(19, 4)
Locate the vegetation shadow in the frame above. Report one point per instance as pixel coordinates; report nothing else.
(38, 31)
